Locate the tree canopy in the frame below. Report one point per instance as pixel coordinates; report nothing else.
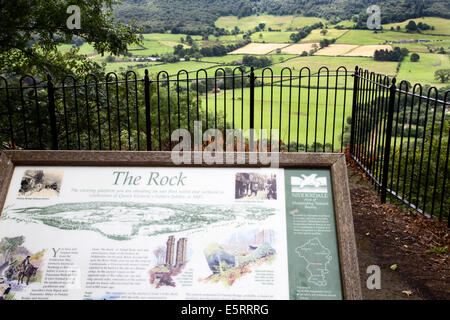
(33, 29)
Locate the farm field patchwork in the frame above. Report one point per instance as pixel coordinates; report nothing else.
(336, 50)
(272, 36)
(259, 48)
(367, 51)
(275, 22)
(298, 48)
(315, 35)
(363, 37)
(316, 62)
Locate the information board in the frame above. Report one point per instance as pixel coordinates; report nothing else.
(87, 232)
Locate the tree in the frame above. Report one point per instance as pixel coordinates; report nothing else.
(30, 36)
(411, 26)
(189, 40)
(262, 26)
(442, 75)
(414, 57)
(9, 245)
(323, 32)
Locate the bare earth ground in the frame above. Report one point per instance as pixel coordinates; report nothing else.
(387, 235)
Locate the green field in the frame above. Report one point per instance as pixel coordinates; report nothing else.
(315, 35)
(291, 106)
(150, 47)
(363, 37)
(275, 22)
(315, 62)
(233, 58)
(272, 36)
(423, 70)
(442, 26)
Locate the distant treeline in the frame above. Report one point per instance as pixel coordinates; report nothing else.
(198, 16)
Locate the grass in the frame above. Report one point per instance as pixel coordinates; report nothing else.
(316, 36)
(123, 66)
(441, 25)
(315, 62)
(363, 37)
(167, 37)
(423, 70)
(174, 68)
(270, 102)
(150, 47)
(275, 22)
(87, 49)
(272, 36)
(230, 59)
(414, 47)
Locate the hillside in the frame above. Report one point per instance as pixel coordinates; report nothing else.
(197, 15)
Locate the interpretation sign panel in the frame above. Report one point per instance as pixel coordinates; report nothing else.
(85, 232)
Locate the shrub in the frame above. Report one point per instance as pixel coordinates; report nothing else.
(414, 57)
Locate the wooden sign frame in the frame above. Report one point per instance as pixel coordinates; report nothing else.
(335, 162)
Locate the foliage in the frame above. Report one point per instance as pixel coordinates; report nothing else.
(425, 182)
(414, 57)
(411, 26)
(438, 250)
(256, 62)
(398, 54)
(442, 75)
(326, 42)
(8, 245)
(199, 15)
(30, 36)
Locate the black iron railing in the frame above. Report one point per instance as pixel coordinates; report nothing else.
(400, 138)
(398, 135)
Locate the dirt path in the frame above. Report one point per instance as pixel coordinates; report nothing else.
(385, 236)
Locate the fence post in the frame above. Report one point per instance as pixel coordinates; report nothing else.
(355, 101)
(147, 111)
(52, 112)
(387, 146)
(252, 107)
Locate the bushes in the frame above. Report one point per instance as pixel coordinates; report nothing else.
(398, 54)
(414, 57)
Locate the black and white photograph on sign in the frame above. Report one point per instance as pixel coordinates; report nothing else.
(41, 183)
(255, 186)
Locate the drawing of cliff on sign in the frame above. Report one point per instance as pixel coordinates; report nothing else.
(317, 258)
(18, 266)
(125, 221)
(169, 262)
(310, 183)
(237, 256)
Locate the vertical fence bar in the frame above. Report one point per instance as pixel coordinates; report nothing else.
(252, 108)
(52, 112)
(354, 107)
(148, 124)
(387, 146)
